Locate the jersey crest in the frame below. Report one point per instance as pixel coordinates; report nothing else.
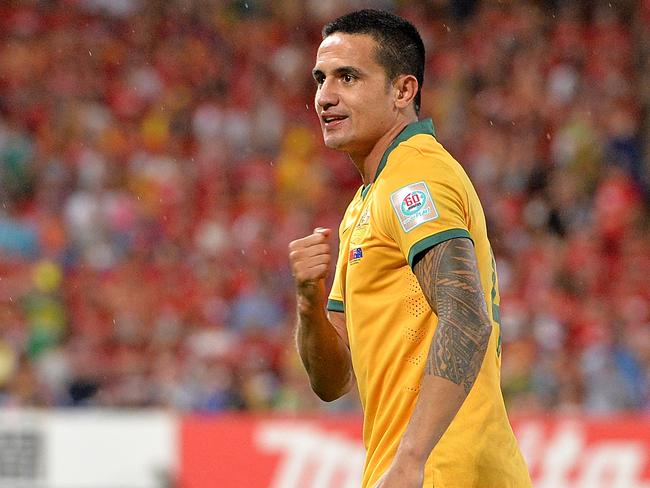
(361, 229)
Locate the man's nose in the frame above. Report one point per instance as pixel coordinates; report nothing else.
(326, 96)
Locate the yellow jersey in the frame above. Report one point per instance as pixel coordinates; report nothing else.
(420, 197)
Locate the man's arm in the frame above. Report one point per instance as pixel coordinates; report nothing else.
(321, 338)
(449, 278)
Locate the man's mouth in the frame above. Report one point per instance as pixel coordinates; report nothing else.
(333, 120)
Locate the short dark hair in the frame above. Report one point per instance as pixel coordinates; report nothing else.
(400, 49)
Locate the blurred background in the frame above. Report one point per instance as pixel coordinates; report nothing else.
(156, 158)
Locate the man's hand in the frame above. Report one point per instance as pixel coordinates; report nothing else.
(402, 475)
(322, 343)
(310, 259)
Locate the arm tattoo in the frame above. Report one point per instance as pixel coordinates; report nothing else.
(449, 278)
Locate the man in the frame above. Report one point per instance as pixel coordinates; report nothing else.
(413, 312)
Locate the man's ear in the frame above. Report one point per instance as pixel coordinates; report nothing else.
(406, 87)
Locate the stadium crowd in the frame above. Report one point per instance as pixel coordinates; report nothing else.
(157, 157)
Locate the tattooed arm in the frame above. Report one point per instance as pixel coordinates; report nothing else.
(449, 278)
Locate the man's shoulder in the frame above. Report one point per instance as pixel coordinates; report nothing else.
(422, 156)
(422, 146)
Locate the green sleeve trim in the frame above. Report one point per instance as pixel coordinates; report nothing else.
(430, 241)
(335, 305)
(496, 313)
(496, 317)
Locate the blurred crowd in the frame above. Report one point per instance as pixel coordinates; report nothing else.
(157, 157)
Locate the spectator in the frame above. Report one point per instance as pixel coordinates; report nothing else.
(151, 178)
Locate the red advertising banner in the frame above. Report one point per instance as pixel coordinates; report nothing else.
(601, 452)
(246, 451)
(272, 452)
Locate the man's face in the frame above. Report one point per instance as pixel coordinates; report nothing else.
(354, 100)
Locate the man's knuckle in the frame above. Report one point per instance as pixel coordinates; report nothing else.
(295, 255)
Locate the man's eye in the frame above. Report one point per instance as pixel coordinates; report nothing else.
(348, 78)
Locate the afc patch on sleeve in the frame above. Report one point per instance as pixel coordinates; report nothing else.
(413, 205)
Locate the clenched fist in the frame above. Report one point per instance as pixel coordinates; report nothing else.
(310, 259)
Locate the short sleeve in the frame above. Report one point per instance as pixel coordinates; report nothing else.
(424, 203)
(335, 302)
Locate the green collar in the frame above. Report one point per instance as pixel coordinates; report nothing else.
(424, 126)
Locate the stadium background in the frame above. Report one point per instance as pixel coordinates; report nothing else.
(156, 157)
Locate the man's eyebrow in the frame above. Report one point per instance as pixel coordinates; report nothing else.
(340, 71)
(347, 70)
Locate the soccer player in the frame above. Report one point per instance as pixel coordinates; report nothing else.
(413, 313)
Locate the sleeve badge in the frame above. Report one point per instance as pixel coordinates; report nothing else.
(413, 205)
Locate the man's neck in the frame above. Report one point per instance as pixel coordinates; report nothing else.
(368, 164)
